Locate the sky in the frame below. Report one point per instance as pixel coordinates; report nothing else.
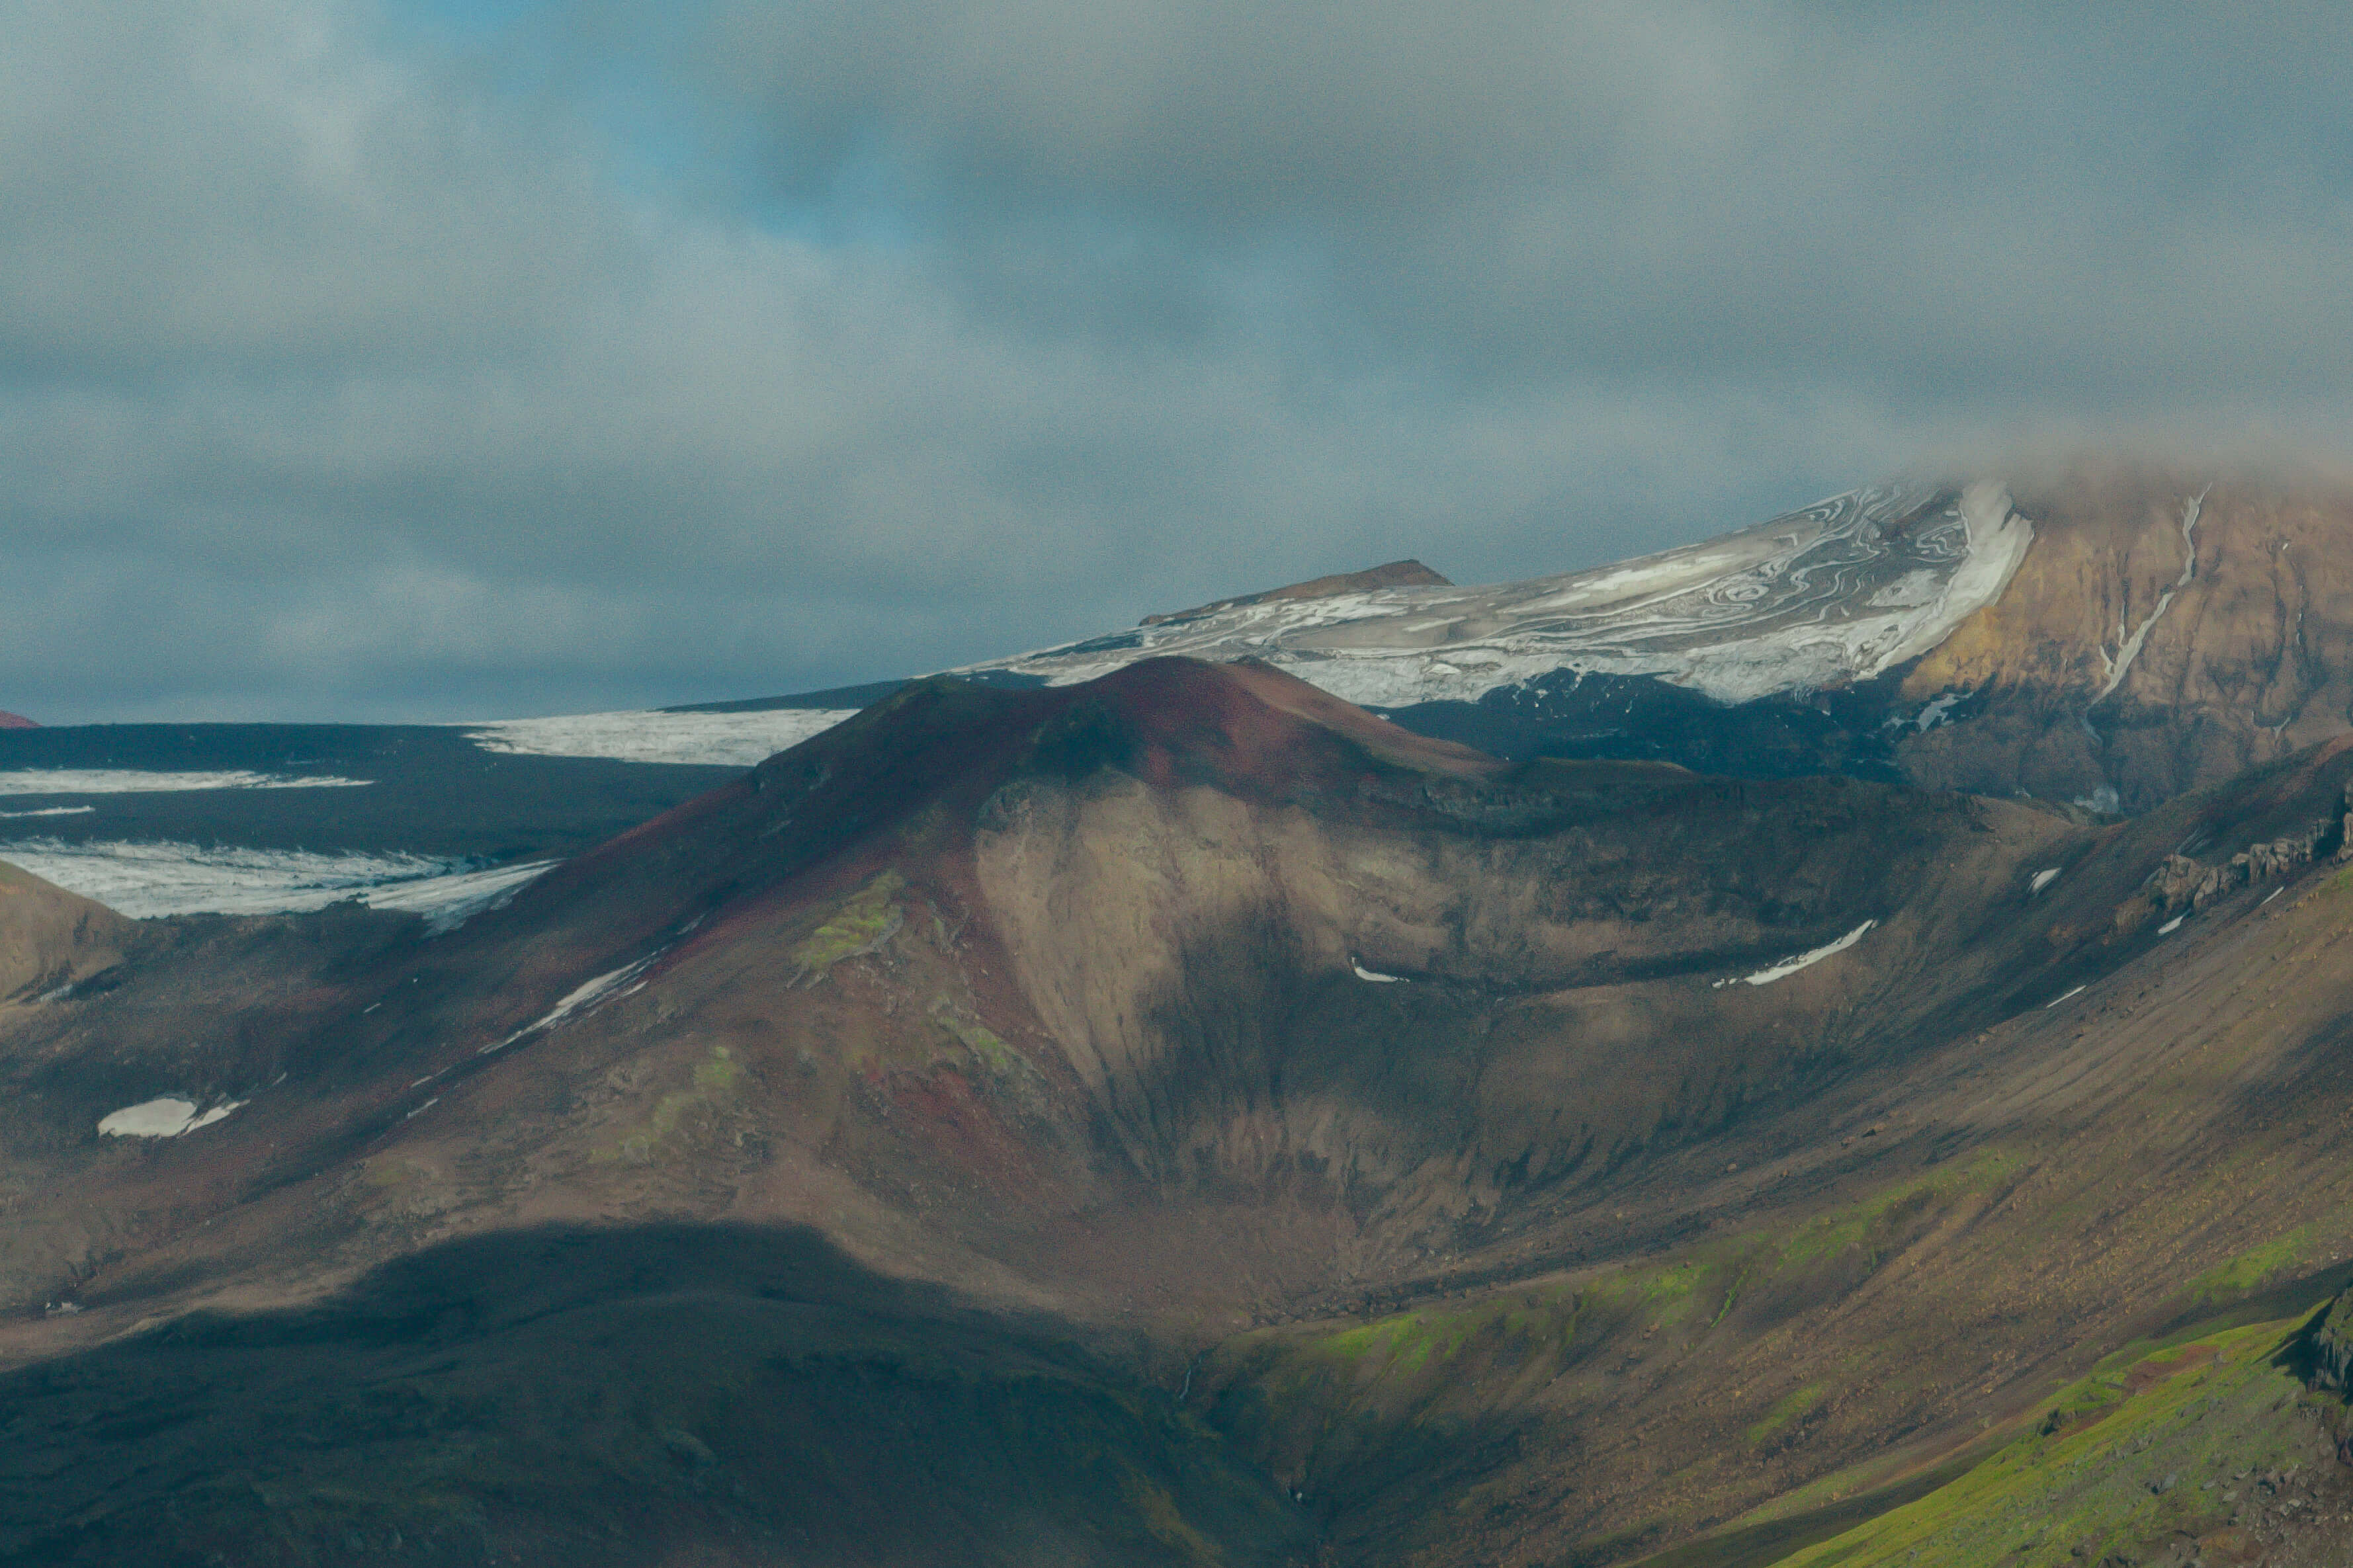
(376, 360)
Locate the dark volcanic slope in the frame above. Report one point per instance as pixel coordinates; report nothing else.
(1327, 1110)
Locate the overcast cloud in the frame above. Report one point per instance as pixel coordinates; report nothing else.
(355, 364)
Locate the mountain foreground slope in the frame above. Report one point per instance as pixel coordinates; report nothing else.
(1180, 1116)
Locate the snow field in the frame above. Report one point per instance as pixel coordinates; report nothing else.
(709, 740)
(137, 780)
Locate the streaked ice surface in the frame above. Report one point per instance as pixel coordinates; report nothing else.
(133, 781)
(448, 902)
(714, 739)
(162, 877)
(1841, 591)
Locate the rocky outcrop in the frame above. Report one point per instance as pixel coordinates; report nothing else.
(16, 722)
(2183, 883)
(2330, 1345)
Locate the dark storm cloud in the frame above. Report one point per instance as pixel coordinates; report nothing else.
(341, 376)
(1927, 199)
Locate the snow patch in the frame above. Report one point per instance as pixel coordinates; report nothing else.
(2169, 927)
(135, 781)
(168, 1117)
(52, 811)
(1789, 966)
(1364, 974)
(164, 877)
(2043, 879)
(709, 740)
(2056, 1000)
(1937, 712)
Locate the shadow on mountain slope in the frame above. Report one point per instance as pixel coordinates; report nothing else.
(633, 1396)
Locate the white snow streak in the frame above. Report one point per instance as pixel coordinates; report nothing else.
(1789, 966)
(581, 998)
(52, 811)
(712, 740)
(1364, 974)
(2169, 927)
(2043, 879)
(136, 781)
(2056, 1000)
(2131, 649)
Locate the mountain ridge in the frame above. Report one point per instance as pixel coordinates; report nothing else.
(1381, 1152)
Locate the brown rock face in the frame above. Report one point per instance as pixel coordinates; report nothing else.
(49, 937)
(2167, 630)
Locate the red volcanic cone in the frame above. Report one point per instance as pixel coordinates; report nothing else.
(16, 722)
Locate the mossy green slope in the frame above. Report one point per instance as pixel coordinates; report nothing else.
(2187, 1449)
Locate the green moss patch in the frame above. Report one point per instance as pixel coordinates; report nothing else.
(2251, 1268)
(1859, 1225)
(711, 1089)
(2173, 1446)
(1790, 1406)
(864, 921)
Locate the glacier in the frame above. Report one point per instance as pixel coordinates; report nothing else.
(137, 781)
(156, 878)
(1837, 591)
(652, 735)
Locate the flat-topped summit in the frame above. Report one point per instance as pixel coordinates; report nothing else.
(1406, 574)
